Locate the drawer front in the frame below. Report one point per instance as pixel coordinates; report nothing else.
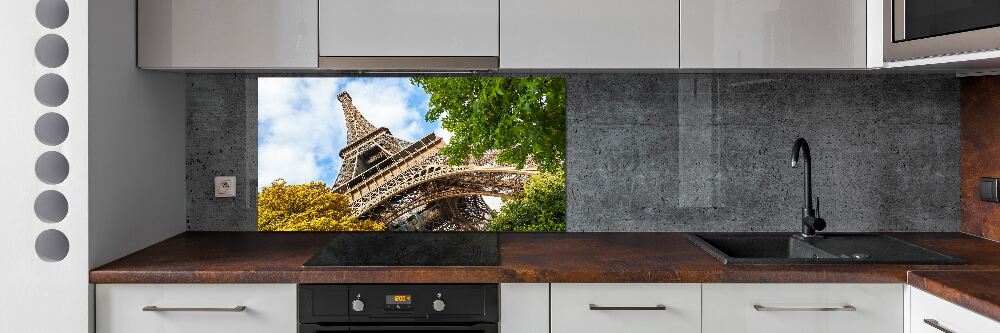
(778, 308)
(269, 308)
(946, 315)
(634, 308)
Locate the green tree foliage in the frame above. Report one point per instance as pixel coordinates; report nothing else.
(524, 119)
(541, 207)
(307, 207)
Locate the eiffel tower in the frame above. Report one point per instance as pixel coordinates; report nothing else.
(410, 187)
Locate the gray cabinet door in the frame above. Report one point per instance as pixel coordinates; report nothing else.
(407, 28)
(776, 34)
(240, 34)
(589, 34)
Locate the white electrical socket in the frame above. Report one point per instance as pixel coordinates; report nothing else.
(225, 186)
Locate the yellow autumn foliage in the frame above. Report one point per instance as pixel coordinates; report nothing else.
(307, 207)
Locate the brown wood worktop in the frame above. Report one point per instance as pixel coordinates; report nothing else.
(252, 257)
(978, 291)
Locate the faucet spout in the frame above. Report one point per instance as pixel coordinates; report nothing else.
(802, 146)
(810, 222)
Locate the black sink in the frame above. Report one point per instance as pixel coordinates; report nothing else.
(788, 248)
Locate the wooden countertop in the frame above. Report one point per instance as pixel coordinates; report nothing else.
(978, 291)
(252, 257)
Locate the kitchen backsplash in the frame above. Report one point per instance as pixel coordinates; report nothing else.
(682, 152)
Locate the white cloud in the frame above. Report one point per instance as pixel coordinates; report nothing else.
(274, 95)
(443, 134)
(301, 129)
(493, 202)
(295, 164)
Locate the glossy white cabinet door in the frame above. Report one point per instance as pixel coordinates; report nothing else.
(774, 34)
(729, 308)
(924, 306)
(524, 308)
(589, 34)
(679, 307)
(270, 308)
(408, 28)
(227, 33)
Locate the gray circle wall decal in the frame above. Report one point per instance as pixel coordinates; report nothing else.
(52, 167)
(51, 51)
(52, 245)
(51, 90)
(51, 129)
(51, 206)
(52, 13)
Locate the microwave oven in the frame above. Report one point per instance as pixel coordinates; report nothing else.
(915, 29)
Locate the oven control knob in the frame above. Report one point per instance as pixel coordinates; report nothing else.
(358, 305)
(438, 305)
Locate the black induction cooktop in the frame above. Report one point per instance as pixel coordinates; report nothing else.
(409, 249)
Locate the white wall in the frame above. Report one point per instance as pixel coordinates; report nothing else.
(137, 185)
(37, 295)
(125, 148)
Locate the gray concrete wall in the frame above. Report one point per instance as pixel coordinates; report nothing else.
(221, 141)
(684, 152)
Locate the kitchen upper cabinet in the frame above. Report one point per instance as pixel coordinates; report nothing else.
(407, 28)
(802, 308)
(780, 34)
(368, 34)
(634, 308)
(219, 34)
(194, 308)
(589, 34)
(930, 314)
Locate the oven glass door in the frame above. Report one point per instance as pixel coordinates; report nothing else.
(476, 328)
(916, 19)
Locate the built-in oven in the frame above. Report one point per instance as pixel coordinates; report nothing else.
(375, 308)
(916, 29)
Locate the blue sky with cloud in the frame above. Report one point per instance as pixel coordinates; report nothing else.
(300, 124)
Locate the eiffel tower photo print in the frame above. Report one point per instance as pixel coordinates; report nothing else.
(411, 154)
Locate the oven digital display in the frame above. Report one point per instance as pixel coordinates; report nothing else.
(398, 299)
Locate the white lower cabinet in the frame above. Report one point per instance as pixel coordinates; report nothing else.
(802, 308)
(634, 308)
(195, 308)
(930, 314)
(524, 308)
(570, 308)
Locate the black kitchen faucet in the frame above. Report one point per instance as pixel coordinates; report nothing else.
(810, 221)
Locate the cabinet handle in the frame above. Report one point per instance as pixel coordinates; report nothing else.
(935, 324)
(759, 307)
(596, 307)
(159, 309)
